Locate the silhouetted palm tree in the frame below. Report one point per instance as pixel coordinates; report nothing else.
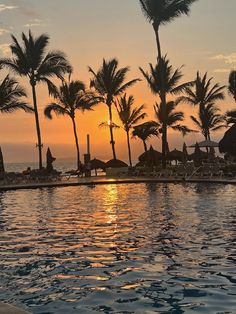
(232, 84)
(69, 98)
(129, 116)
(10, 96)
(145, 131)
(202, 93)
(209, 120)
(160, 13)
(171, 117)
(109, 82)
(32, 61)
(164, 71)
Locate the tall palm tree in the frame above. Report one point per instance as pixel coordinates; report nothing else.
(69, 98)
(145, 131)
(129, 116)
(163, 71)
(10, 96)
(109, 82)
(232, 84)
(171, 117)
(31, 60)
(202, 92)
(209, 120)
(160, 13)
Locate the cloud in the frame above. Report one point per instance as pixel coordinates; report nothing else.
(5, 50)
(223, 70)
(34, 23)
(4, 7)
(228, 59)
(3, 31)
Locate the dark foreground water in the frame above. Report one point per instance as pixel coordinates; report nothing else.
(159, 248)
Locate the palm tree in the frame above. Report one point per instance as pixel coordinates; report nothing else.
(160, 13)
(129, 116)
(164, 71)
(10, 96)
(109, 82)
(163, 12)
(209, 120)
(202, 93)
(232, 84)
(171, 117)
(145, 131)
(69, 98)
(31, 60)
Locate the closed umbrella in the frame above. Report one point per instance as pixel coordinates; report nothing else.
(185, 154)
(50, 160)
(2, 168)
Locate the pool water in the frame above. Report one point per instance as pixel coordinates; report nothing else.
(145, 248)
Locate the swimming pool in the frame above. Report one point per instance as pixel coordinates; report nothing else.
(146, 248)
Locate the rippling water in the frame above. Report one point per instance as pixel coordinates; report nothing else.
(155, 248)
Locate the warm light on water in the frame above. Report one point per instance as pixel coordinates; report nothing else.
(151, 248)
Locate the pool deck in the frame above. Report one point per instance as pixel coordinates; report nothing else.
(9, 309)
(92, 181)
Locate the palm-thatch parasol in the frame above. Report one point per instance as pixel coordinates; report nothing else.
(176, 155)
(207, 143)
(2, 168)
(97, 164)
(50, 160)
(115, 163)
(228, 142)
(151, 157)
(198, 155)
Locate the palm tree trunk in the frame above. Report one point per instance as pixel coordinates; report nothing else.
(111, 132)
(162, 96)
(129, 148)
(77, 144)
(39, 144)
(145, 146)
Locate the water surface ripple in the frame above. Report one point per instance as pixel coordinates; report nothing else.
(146, 248)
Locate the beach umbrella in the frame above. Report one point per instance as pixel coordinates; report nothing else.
(115, 163)
(50, 159)
(2, 168)
(207, 143)
(228, 142)
(176, 155)
(97, 164)
(198, 154)
(151, 157)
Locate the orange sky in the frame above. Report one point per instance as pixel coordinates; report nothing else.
(87, 32)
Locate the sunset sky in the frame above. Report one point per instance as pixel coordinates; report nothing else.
(90, 30)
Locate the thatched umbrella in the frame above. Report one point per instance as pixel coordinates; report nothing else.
(97, 164)
(176, 155)
(198, 155)
(206, 144)
(151, 157)
(115, 163)
(2, 168)
(228, 142)
(50, 160)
